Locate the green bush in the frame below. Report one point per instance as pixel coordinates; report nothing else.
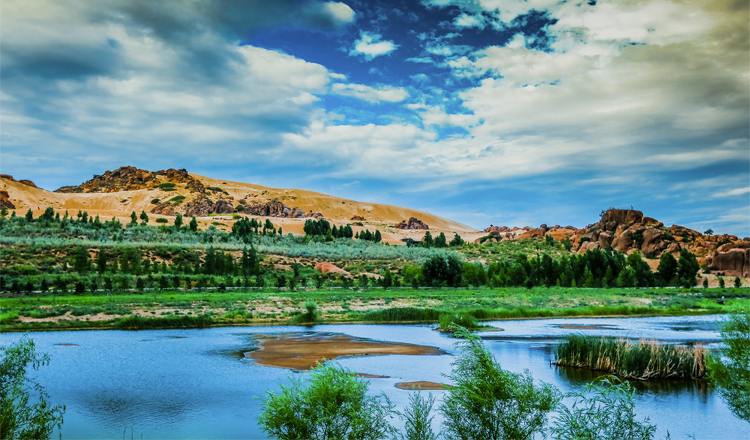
(162, 220)
(167, 186)
(733, 375)
(154, 201)
(176, 200)
(332, 404)
(8, 318)
(137, 322)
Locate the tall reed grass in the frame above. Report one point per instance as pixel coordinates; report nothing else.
(645, 359)
(137, 322)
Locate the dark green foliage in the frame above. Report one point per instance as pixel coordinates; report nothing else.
(154, 201)
(737, 282)
(402, 314)
(640, 360)
(19, 417)
(488, 402)
(29, 216)
(144, 217)
(733, 374)
(667, 267)
(310, 315)
(193, 225)
(440, 270)
(167, 186)
(440, 241)
(161, 220)
(461, 319)
(137, 322)
(333, 404)
(457, 240)
(688, 268)
(133, 218)
(427, 241)
(605, 410)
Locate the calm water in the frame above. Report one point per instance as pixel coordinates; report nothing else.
(197, 383)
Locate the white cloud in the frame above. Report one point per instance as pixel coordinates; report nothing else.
(732, 193)
(420, 78)
(371, 94)
(423, 60)
(371, 46)
(468, 21)
(341, 12)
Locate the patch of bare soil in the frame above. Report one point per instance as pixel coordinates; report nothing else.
(304, 351)
(421, 385)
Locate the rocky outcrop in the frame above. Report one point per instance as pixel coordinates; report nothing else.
(23, 181)
(273, 208)
(534, 233)
(623, 242)
(131, 178)
(588, 245)
(358, 218)
(222, 207)
(163, 209)
(412, 223)
(614, 217)
(330, 268)
(5, 200)
(736, 261)
(198, 207)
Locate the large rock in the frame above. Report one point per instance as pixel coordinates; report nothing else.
(736, 261)
(198, 207)
(648, 221)
(726, 247)
(357, 218)
(624, 241)
(587, 246)
(654, 242)
(412, 223)
(163, 209)
(222, 207)
(5, 200)
(613, 217)
(604, 240)
(673, 248)
(131, 178)
(534, 233)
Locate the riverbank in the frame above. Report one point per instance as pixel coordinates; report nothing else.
(181, 309)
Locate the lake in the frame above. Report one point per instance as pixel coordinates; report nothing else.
(199, 384)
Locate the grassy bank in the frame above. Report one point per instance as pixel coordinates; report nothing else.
(180, 309)
(632, 360)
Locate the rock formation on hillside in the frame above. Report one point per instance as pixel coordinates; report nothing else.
(131, 178)
(412, 223)
(5, 200)
(272, 208)
(23, 181)
(357, 218)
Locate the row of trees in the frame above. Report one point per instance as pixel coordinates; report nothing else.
(440, 241)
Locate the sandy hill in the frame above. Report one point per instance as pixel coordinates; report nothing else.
(169, 192)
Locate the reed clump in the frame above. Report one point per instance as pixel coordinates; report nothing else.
(137, 322)
(643, 360)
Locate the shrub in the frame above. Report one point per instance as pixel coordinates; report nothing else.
(333, 404)
(176, 200)
(154, 201)
(167, 186)
(733, 374)
(311, 314)
(18, 418)
(418, 423)
(604, 410)
(161, 220)
(488, 402)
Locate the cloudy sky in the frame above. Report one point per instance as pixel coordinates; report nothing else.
(505, 112)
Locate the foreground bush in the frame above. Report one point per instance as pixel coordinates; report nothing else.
(488, 402)
(333, 404)
(605, 410)
(733, 374)
(20, 419)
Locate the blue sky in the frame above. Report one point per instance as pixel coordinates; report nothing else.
(504, 112)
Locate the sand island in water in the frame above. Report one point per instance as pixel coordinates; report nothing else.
(304, 351)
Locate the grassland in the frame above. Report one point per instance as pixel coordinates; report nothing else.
(182, 309)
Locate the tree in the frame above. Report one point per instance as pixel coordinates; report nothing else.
(438, 269)
(29, 216)
(178, 221)
(733, 374)
(3, 212)
(605, 410)
(440, 241)
(705, 283)
(144, 217)
(101, 261)
(18, 418)
(193, 225)
(488, 402)
(721, 282)
(81, 261)
(333, 404)
(737, 282)
(566, 243)
(427, 240)
(688, 268)
(709, 232)
(667, 267)
(133, 218)
(378, 237)
(457, 240)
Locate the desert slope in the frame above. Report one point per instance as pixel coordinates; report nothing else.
(121, 203)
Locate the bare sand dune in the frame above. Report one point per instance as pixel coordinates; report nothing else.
(337, 210)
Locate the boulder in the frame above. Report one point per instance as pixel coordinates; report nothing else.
(222, 207)
(163, 209)
(533, 233)
(199, 207)
(613, 217)
(624, 241)
(5, 200)
(589, 245)
(604, 240)
(412, 223)
(27, 183)
(673, 248)
(329, 268)
(726, 247)
(315, 215)
(654, 241)
(560, 234)
(736, 261)
(357, 218)
(297, 213)
(648, 221)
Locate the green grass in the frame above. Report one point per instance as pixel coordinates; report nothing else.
(423, 305)
(633, 360)
(137, 322)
